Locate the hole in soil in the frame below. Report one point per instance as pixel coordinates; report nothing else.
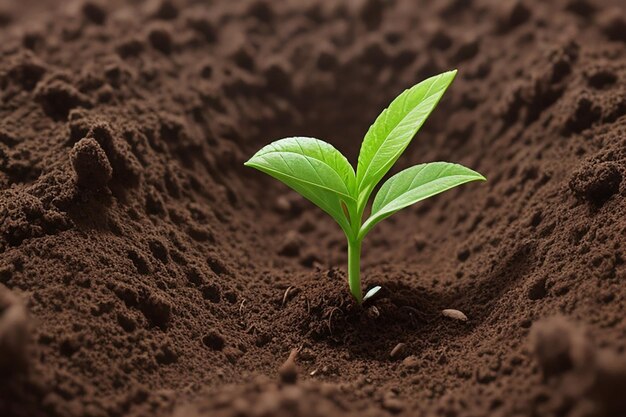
(324, 311)
(214, 340)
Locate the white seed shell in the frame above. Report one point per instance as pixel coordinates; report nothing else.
(454, 314)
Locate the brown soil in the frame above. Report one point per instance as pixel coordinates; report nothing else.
(144, 271)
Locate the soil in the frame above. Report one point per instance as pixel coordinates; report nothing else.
(144, 271)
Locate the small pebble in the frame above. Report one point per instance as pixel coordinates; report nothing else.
(398, 351)
(454, 314)
(282, 204)
(411, 362)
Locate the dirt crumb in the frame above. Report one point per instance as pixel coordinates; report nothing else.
(588, 379)
(596, 182)
(91, 165)
(15, 330)
(288, 371)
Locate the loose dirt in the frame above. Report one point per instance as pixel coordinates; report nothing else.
(145, 271)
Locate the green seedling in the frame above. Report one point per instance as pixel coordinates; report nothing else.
(324, 176)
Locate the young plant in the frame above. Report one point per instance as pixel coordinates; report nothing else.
(324, 176)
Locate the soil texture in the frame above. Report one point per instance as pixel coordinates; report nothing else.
(144, 271)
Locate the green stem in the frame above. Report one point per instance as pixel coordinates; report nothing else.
(354, 269)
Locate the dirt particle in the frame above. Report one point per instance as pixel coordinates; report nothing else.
(154, 202)
(14, 332)
(58, 97)
(232, 354)
(291, 245)
(214, 340)
(558, 345)
(583, 116)
(212, 292)
(372, 312)
(398, 352)
(27, 71)
(94, 12)
(157, 310)
(126, 167)
(372, 13)
(195, 275)
(485, 376)
(420, 242)
(536, 219)
(288, 371)
(613, 24)
(140, 262)
(166, 355)
(160, 38)
(411, 362)
(218, 266)
(128, 295)
(244, 58)
(159, 250)
(200, 233)
(261, 10)
(538, 290)
(307, 355)
(203, 26)
(282, 204)
(126, 322)
(454, 314)
(262, 338)
(231, 296)
(467, 50)
(277, 77)
(326, 61)
(596, 182)
(606, 297)
(131, 47)
(582, 8)
(79, 125)
(6, 16)
(91, 165)
(164, 9)
(69, 345)
(392, 403)
(602, 78)
(513, 13)
(463, 255)
(440, 39)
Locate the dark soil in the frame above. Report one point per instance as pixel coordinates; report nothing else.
(145, 271)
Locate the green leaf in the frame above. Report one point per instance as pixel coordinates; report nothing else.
(393, 130)
(314, 169)
(415, 184)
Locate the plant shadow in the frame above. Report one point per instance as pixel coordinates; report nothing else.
(411, 314)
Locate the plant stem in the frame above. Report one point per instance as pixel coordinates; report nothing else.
(354, 269)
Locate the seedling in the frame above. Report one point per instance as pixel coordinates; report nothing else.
(324, 176)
